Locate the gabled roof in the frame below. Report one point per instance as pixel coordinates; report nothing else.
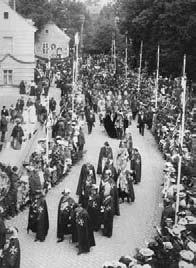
(56, 29)
(3, 6)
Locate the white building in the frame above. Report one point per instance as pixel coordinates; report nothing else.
(51, 42)
(17, 60)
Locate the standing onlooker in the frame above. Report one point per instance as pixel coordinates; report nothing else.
(22, 87)
(4, 111)
(3, 127)
(90, 121)
(141, 122)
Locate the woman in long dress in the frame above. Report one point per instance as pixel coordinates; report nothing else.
(32, 114)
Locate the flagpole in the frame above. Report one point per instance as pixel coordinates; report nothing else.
(140, 66)
(181, 138)
(126, 57)
(157, 77)
(114, 55)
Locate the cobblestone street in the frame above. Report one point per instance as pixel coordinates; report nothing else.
(132, 229)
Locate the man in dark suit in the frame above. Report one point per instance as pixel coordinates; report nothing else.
(141, 122)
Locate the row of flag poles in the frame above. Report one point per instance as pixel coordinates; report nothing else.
(75, 67)
(183, 104)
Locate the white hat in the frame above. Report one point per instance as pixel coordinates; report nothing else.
(187, 255)
(184, 264)
(146, 252)
(192, 246)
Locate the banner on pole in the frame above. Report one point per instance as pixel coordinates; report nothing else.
(77, 39)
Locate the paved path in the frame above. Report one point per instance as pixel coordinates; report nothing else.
(132, 229)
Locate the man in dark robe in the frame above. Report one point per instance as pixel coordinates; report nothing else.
(90, 121)
(22, 87)
(11, 253)
(3, 232)
(38, 217)
(82, 179)
(109, 126)
(12, 194)
(85, 233)
(64, 220)
(108, 182)
(141, 122)
(17, 134)
(108, 215)
(34, 181)
(136, 166)
(105, 153)
(93, 208)
(3, 127)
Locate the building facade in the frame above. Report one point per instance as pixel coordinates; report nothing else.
(51, 42)
(17, 58)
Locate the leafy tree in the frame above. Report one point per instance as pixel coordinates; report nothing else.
(170, 23)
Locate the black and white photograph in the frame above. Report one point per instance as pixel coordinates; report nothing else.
(97, 133)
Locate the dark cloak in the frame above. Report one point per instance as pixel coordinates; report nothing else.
(83, 176)
(93, 208)
(85, 232)
(38, 218)
(11, 258)
(64, 221)
(109, 127)
(104, 152)
(136, 166)
(108, 216)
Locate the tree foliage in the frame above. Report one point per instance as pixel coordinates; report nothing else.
(101, 30)
(170, 23)
(65, 13)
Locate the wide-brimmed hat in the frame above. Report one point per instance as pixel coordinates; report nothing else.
(146, 252)
(187, 255)
(192, 246)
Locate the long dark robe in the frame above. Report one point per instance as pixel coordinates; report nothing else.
(64, 216)
(136, 166)
(11, 258)
(108, 215)
(84, 231)
(109, 127)
(17, 134)
(104, 152)
(2, 233)
(93, 208)
(38, 221)
(83, 176)
(22, 87)
(42, 219)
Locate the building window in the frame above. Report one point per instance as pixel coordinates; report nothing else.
(8, 77)
(46, 31)
(45, 48)
(6, 15)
